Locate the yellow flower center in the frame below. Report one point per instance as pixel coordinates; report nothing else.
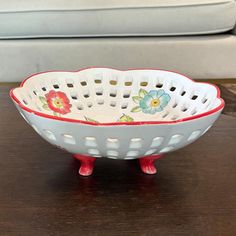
(155, 102)
(57, 103)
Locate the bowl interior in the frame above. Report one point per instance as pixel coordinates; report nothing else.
(108, 95)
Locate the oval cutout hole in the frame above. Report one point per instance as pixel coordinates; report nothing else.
(165, 115)
(175, 117)
(128, 83)
(172, 89)
(113, 82)
(143, 84)
(56, 86)
(194, 97)
(69, 85)
(74, 97)
(124, 106)
(159, 85)
(126, 94)
(25, 102)
(89, 104)
(80, 107)
(112, 103)
(174, 105)
(97, 81)
(99, 93)
(113, 94)
(100, 101)
(83, 83)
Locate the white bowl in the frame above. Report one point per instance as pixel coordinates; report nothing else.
(102, 112)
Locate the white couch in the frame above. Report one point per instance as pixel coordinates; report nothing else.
(194, 37)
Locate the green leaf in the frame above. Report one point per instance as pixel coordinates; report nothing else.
(55, 113)
(125, 118)
(45, 106)
(136, 109)
(142, 93)
(90, 120)
(136, 99)
(43, 99)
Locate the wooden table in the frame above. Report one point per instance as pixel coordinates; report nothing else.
(194, 192)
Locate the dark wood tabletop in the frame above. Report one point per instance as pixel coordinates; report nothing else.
(193, 193)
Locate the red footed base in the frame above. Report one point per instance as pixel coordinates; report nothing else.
(147, 164)
(87, 164)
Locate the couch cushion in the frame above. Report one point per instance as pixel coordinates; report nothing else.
(196, 56)
(75, 18)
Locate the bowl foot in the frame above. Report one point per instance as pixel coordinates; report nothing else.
(87, 164)
(147, 164)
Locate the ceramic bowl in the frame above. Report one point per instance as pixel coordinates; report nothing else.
(102, 112)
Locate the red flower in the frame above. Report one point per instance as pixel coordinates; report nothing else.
(58, 102)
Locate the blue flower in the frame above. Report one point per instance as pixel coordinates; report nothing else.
(154, 101)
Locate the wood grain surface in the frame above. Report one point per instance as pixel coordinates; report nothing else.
(193, 193)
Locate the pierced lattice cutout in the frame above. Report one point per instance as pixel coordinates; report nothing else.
(150, 152)
(102, 92)
(80, 106)
(126, 94)
(93, 152)
(99, 91)
(135, 143)
(86, 94)
(98, 81)
(49, 135)
(124, 105)
(100, 101)
(70, 85)
(83, 83)
(128, 83)
(172, 89)
(166, 149)
(90, 142)
(132, 153)
(175, 139)
(156, 142)
(112, 153)
(194, 135)
(112, 143)
(159, 85)
(143, 84)
(113, 82)
(113, 93)
(67, 138)
(56, 86)
(89, 104)
(204, 100)
(112, 103)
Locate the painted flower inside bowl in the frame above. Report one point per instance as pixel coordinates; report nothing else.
(101, 112)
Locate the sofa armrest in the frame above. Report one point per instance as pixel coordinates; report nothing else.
(234, 30)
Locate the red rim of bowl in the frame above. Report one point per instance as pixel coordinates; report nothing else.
(221, 105)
